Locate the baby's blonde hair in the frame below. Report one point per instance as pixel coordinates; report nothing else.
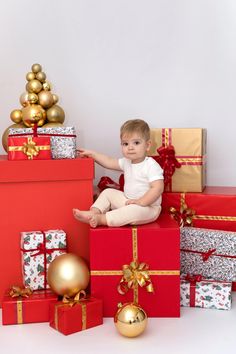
(135, 126)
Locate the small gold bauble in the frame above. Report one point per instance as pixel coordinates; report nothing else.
(55, 114)
(32, 98)
(30, 76)
(41, 76)
(33, 114)
(68, 274)
(52, 125)
(36, 68)
(46, 86)
(16, 116)
(24, 99)
(45, 99)
(34, 86)
(130, 320)
(6, 133)
(55, 98)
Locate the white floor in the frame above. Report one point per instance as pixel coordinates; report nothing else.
(197, 331)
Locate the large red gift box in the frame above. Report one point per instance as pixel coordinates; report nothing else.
(40, 195)
(71, 318)
(214, 208)
(158, 246)
(29, 148)
(35, 308)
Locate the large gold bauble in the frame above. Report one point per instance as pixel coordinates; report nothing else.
(55, 98)
(32, 98)
(36, 68)
(68, 274)
(24, 99)
(52, 125)
(6, 133)
(45, 99)
(30, 76)
(33, 114)
(55, 114)
(130, 320)
(41, 76)
(16, 116)
(34, 86)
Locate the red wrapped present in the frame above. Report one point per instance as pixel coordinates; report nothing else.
(25, 306)
(29, 148)
(214, 208)
(76, 316)
(137, 264)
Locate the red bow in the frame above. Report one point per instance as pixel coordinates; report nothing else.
(167, 161)
(206, 255)
(107, 182)
(193, 279)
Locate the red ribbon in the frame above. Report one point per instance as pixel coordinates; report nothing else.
(168, 162)
(42, 249)
(208, 254)
(193, 279)
(107, 182)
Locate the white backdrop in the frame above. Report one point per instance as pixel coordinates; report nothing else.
(170, 62)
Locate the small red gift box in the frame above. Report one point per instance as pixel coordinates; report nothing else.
(75, 317)
(21, 309)
(148, 255)
(29, 148)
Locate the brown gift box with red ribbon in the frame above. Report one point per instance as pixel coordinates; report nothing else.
(181, 152)
(25, 306)
(76, 316)
(38, 250)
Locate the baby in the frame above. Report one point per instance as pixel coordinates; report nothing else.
(140, 203)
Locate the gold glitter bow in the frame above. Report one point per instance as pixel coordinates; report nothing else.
(135, 274)
(30, 148)
(73, 300)
(16, 291)
(184, 216)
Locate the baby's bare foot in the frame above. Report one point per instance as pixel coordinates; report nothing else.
(93, 221)
(83, 215)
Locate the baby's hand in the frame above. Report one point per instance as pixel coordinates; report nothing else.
(132, 201)
(84, 152)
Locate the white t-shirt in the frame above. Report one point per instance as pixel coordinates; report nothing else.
(138, 177)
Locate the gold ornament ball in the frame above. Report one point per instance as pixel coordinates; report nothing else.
(46, 86)
(24, 99)
(130, 320)
(32, 98)
(36, 68)
(68, 274)
(16, 116)
(34, 86)
(52, 125)
(33, 114)
(45, 99)
(55, 98)
(6, 133)
(30, 76)
(55, 114)
(41, 76)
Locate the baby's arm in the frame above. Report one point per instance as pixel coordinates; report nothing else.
(155, 191)
(101, 159)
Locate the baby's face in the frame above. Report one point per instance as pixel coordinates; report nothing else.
(134, 147)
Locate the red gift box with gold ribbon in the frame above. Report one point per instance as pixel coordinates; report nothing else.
(137, 264)
(29, 148)
(76, 316)
(181, 152)
(24, 306)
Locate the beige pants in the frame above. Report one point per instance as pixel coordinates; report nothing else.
(112, 203)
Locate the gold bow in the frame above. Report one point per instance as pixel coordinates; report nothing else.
(73, 300)
(16, 291)
(30, 148)
(184, 216)
(135, 274)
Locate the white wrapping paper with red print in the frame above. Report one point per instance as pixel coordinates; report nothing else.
(38, 250)
(211, 253)
(205, 293)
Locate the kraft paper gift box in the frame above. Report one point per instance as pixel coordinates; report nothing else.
(34, 308)
(29, 148)
(71, 318)
(214, 208)
(205, 293)
(38, 250)
(211, 253)
(63, 139)
(182, 154)
(147, 252)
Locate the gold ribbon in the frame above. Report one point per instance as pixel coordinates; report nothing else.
(16, 291)
(29, 148)
(78, 299)
(185, 215)
(135, 273)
